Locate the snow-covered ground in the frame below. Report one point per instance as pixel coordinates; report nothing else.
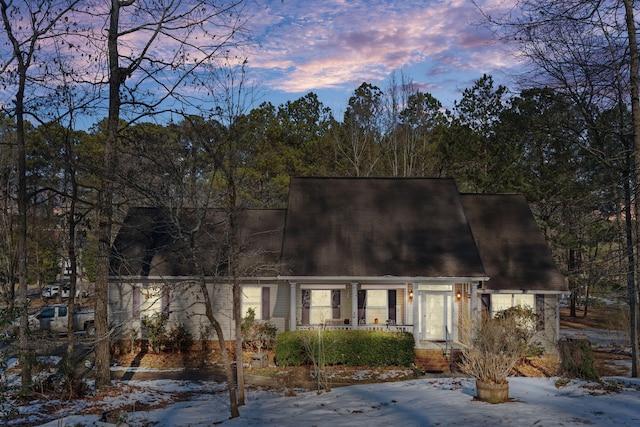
(418, 402)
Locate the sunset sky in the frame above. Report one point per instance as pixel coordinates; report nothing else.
(330, 47)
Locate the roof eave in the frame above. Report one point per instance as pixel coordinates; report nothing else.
(371, 279)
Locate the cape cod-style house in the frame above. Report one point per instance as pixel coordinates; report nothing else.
(398, 254)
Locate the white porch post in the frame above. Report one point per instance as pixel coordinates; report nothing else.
(474, 304)
(414, 310)
(354, 305)
(292, 306)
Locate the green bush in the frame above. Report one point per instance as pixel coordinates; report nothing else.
(351, 348)
(577, 359)
(179, 339)
(156, 328)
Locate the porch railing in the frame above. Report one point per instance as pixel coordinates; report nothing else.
(448, 349)
(364, 327)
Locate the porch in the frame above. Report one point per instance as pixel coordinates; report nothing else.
(340, 325)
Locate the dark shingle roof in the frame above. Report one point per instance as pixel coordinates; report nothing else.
(513, 250)
(353, 227)
(151, 242)
(375, 227)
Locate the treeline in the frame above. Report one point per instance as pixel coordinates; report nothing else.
(537, 142)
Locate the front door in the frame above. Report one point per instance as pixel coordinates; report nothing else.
(435, 315)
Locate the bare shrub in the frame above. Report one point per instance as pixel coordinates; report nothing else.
(495, 345)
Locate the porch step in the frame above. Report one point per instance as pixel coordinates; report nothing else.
(433, 360)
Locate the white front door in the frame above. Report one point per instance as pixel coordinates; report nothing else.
(435, 315)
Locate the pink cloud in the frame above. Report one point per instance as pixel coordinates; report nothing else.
(326, 44)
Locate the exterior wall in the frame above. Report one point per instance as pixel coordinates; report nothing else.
(185, 305)
(549, 334)
(187, 308)
(120, 305)
(130, 302)
(280, 315)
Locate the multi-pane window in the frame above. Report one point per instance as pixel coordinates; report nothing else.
(500, 302)
(320, 305)
(256, 298)
(377, 304)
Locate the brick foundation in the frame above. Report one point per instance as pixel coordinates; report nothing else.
(434, 360)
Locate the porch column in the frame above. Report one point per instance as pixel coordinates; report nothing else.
(354, 305)
(414, 311)
(292, 306)
(474, 304)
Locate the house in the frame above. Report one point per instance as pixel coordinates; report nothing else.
(397, 254)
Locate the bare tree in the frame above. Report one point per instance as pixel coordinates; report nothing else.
(358, 139)
(588, 50)
(28, 26)
(154, 49)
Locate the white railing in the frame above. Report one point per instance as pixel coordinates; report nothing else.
(365, 327)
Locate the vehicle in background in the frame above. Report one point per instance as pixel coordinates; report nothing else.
(54, 319)
(53, 291)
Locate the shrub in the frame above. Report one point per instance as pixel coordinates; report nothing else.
(257, 335)
(352, 348)
(156, 328)
(179, 339)
(577, 359)
(497, 344)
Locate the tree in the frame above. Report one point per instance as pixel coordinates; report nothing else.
(421, 126)
(8, 253)
(477, 115)
(142, 79)
(29, 27)
(586, 49)
(358, 138)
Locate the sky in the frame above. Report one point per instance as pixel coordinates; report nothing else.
(330, 47)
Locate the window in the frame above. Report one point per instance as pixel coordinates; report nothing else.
(319, 305)
(258, 299)
(377, 304)
(152, 302)
(501, 302)
(46, 313)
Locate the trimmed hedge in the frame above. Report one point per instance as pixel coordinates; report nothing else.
(347, 347)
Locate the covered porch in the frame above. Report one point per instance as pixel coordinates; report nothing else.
(432, 310)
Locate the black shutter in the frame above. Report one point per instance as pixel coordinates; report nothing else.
(306, 306)
(335, 304)
(266, 303)
(362, 307)
(540, 312)
(391, 297)
(485, 310)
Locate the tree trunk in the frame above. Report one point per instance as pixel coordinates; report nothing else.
(73, 263)
(237, 291)
(105, 202)
(23, 200)
(231, 384)
(635, 113)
